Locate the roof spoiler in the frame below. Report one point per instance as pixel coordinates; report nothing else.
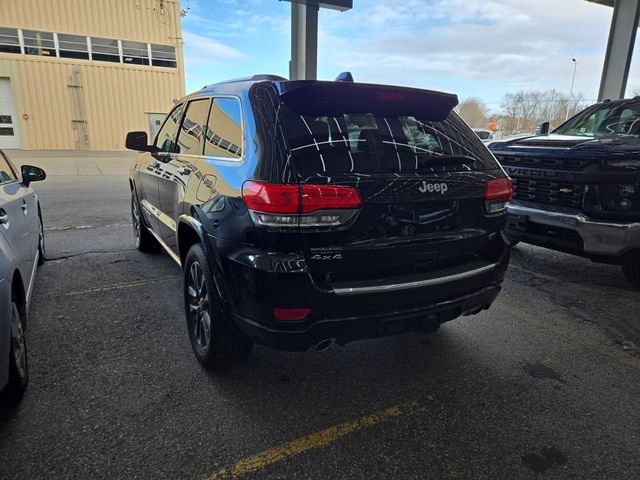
(318, 98)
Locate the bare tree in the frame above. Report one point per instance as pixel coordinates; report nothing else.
(474, 112)
(523, 110)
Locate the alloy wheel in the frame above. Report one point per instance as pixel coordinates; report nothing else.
(18, 343)
(198, 301)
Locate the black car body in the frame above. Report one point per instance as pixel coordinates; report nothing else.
(327, 211)
(577, 190)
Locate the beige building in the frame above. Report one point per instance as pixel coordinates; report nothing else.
(79, 74)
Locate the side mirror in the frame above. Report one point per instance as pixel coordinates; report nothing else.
(138, 141)
(542, 128)
(32, 174)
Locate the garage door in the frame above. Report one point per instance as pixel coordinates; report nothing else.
(8, 117)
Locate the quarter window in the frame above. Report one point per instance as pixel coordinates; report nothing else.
(191, 132)
(105, 49)
(166, 140)
(9, 41)
(224, 130)
(73, 46)
(7, 174)
(135, 53)
(163, 56)
(39, 43)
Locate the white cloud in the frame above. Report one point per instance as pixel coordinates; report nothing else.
(509, 43)
(200, 50)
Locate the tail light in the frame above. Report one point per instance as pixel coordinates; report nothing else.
(497, 194)
(286, 205)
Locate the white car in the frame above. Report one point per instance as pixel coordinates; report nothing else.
(483, 134)
(21, 251)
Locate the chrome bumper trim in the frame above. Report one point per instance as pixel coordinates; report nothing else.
(416, 284)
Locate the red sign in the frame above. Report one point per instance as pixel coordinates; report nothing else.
(25, 116)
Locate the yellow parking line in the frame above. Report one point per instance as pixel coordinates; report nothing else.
(84, 227)
(118, 286)
(260, 461)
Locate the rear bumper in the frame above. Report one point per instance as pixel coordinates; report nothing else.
(586, 237)
(350, 328)
(254, 282)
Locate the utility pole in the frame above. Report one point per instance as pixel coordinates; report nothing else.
(304, 35)
(573, 80)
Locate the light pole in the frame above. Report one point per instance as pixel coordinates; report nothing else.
(573, 80)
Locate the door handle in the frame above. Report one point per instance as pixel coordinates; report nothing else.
(24, 206)
(184, 170)
(4, 218)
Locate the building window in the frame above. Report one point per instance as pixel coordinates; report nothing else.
(105, 49)
(39, 43)
(135, 53)
(35, 42)
(163, 56)
(73, 46)
(224, 131)
(9, 41)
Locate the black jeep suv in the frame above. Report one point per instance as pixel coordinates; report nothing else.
(577, 190)
(310, 212)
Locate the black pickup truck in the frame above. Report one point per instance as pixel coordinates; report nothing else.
(577, 189)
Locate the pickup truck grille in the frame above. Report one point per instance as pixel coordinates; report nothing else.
(552, 193)
(544, 162)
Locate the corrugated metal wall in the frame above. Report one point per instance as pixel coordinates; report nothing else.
(116, 97)
(124, 19)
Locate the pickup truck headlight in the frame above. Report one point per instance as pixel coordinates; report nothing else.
(618, 198)
(613, 200)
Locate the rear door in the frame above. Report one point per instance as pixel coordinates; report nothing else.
(421, 174)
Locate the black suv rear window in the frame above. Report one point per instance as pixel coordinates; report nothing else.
(368, 143)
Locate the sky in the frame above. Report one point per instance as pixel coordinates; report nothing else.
(480, 48)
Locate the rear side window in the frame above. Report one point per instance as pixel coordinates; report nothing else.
(166, 140)
(366, 143)
(224, 129)
(192, 129)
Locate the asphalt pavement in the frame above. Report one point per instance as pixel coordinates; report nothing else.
(545, 385)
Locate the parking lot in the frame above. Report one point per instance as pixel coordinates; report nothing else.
(546, 384)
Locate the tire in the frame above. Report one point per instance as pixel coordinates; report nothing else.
(18, 363)
(215, 343)
(41, 246)
(631, 270)
(145, 242)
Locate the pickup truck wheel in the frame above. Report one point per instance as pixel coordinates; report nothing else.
(631, 270)
(18, 365)
(215, 343)
(145, 242)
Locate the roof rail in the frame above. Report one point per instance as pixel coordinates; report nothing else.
(254, 78)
